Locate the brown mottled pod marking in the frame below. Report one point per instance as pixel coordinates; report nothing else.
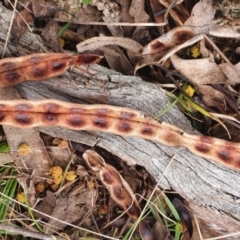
(118, 188)
(39, 66)
(116, 120)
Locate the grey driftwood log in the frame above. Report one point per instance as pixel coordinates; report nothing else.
(211, 190)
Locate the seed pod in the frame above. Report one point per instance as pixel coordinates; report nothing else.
(116, 120)
(39, 66)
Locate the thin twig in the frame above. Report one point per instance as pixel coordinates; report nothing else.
(9, 29)
(28, 233)
(113, 23)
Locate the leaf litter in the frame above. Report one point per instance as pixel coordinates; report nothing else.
(132, 48)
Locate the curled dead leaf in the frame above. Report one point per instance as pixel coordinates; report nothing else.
(98, 42)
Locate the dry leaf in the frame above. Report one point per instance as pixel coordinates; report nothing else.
(160, 231)
(98, 42)
(22, 21)
(145, 231)
(49, 33)
(232, 73)
(202, 14)
(212, 97)
(5, 158)
(46, 206)
(199, 71)
(72, 206)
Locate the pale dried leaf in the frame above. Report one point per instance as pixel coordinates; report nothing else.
(97, 42)
(211, 96)
(232, 73)
(160, 231)
(137, 11)
(59, 156)
(44, 8)
(72, 207)
(199, 71)
(224, 31)
(21, 23)
(125, 16)
(117, 60)
(5, 158)
(202, 14)
(50, 34)
(46, 206)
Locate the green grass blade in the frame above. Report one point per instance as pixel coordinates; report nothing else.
(172, 209)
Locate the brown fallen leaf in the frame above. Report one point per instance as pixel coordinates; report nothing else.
(145, 231)
(46, 206)
(73, 205)
(114, 55)
(49, 33)
(232, 73)
(5, 158)
(160, 231)
(26, 16)
(199, 71)
(98, 42)
(202, 14)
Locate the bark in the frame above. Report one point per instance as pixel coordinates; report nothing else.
(210, 189)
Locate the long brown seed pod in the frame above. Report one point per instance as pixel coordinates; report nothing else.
(116, 120)
(39, 66)
(118, 188)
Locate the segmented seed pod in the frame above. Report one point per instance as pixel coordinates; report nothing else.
(116, 120)
(39, 66)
